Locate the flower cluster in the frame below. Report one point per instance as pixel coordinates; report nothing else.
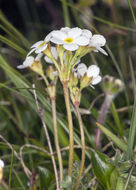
(64, 49)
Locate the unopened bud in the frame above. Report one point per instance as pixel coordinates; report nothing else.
(112, 85)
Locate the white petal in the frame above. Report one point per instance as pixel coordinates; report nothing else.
(48, 37)
(93, 71)
(54, 52)
(38, 57)
(1, 164)
(74, 32)
(96, 80)
(21, 66)
(82, 41)
(65, 29)
(59, 35)
(102, 50)
(47, 59)
(40, 49)
(97, 40)
(32, 50)
(81, 69)
(87, 33)
(70, 47)
(27, 63)
(37, 44)
(56, 41)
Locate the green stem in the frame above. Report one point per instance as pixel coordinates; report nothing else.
(45, 79)
(83, 148)
(11, 167)
(70, 123)
(53, 101)
(66, 13)
(129, 175)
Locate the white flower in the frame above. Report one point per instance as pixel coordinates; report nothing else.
(98, 41)
(71, 39)
(29, 61)
(40, 46)
(1, 164)
(92, 72)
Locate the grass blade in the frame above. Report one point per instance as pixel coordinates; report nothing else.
(132, 11)
(113, 137)
(12, 45)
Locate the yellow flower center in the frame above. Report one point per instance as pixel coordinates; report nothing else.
(69, 40)
(42, 44)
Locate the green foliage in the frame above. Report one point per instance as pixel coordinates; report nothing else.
(19, 119)
(102, 168)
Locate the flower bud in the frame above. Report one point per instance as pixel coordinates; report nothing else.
(112, 85)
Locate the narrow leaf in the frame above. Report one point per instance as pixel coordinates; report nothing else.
(113, 137)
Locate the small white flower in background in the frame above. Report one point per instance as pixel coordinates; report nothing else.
(92, 72)
(29, 61)
(40, 46)
(98, 41)
(70, 38)
(1, 164)
(1, 169)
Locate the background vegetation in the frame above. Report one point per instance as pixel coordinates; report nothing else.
(24, 22)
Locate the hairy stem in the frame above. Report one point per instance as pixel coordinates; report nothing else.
(83, 147)
(103, 113)
(53, 101)
(70, 123)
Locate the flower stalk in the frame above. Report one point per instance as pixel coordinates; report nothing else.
(83, 147)
(103, 113)
(53, 101)
(70, 123)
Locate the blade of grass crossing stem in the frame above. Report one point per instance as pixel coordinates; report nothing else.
(116, 119)
(132, 131)
(11, 167)
(13, 45)
(113, 137)
(132, 11)
(19, 180)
